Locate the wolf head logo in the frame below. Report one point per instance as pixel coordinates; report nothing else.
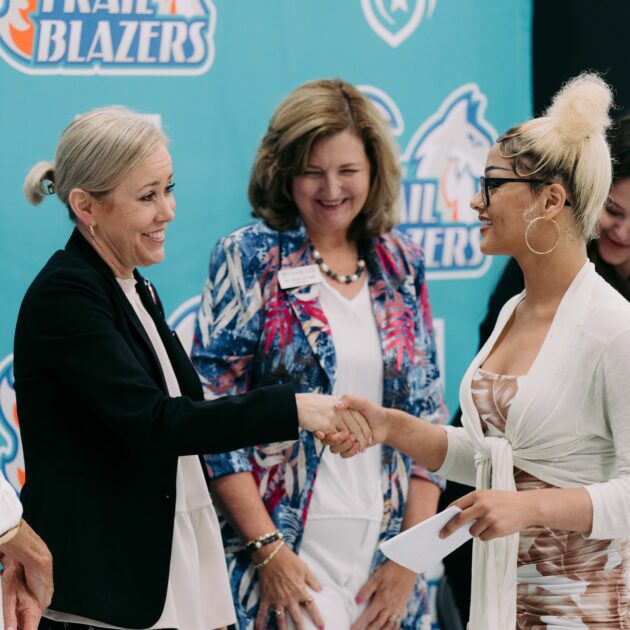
(11, 455)
(442, 164)
(451, 146)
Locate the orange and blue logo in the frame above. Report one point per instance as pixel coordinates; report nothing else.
(108, 37)
(11, 455)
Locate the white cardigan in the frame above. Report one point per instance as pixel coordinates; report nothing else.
(568, 425)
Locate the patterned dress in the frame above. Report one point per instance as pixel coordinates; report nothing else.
(565, 581)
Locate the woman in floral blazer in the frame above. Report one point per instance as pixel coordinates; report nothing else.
(251, 331)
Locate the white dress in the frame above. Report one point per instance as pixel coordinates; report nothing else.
(346, 510)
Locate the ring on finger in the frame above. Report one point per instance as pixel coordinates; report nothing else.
(279, 612)
(394, 618)
(306, 602)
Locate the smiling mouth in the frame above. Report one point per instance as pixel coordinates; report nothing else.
(332, 204)
(157, 236)
(485, 222)
(615, 243)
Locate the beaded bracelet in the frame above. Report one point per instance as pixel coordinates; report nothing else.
(263, 540)
(270, 557)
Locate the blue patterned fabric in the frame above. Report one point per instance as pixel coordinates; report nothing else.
(249, 333)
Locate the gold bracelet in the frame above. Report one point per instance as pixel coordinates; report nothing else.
(270, 557)
(9, 534)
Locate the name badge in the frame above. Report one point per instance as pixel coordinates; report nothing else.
(299, 276)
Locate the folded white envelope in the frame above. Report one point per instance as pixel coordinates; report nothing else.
(420, 548)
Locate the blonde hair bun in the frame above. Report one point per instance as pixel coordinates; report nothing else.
(580, 108)
(39, 182)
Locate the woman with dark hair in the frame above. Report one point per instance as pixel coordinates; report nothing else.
(611, 251)
(324, 294)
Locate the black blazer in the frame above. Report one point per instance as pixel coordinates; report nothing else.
(101, 436)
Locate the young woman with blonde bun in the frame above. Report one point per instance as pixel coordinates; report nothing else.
(545, 436)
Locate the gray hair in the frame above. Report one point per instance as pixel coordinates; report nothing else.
(95, 153)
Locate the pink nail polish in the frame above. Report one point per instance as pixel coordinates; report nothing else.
(358, 599)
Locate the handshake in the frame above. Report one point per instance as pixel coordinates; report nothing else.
(347, 424)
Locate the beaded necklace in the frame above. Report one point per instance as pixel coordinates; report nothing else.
(343, 278)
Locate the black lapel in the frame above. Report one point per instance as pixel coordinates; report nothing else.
(184, 371)
(78, 246)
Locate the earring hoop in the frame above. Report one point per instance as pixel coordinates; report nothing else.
(548, 251)
(91, 231)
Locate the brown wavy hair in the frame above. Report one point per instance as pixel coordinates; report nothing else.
(313, 111)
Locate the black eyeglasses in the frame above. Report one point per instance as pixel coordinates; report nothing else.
(486, 184)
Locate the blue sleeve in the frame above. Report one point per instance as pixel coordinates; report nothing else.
(227, 331)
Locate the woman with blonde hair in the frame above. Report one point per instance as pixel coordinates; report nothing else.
(545, 436)
(325, 295)
(111, 411)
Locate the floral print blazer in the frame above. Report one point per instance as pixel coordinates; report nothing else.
(249, 333)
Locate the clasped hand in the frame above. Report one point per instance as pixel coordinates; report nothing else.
(347, 424)
(343, 423)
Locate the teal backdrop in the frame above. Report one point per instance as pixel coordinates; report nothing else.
(448, 74)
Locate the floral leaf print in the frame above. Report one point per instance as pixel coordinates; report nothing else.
(387, 261)
(277, 323)
(425, 305)
(571, 581)
(236, 371)
(317, 322)
(493, 394)
(568, 553)
(399, 335)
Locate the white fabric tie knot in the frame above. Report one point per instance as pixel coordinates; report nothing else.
(493, 603)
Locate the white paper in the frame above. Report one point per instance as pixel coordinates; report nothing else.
(420, 548)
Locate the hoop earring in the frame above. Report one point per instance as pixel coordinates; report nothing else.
(93, 233)
(548, 251)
